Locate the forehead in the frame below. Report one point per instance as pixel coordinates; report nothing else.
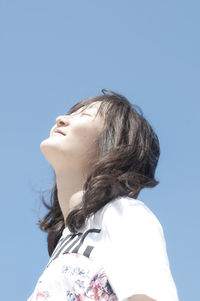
(98, 107)
(92, 107)
(95, 104)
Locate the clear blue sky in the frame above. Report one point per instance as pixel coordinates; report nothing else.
(54, 53)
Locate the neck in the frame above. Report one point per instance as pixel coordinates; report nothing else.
(70, 190)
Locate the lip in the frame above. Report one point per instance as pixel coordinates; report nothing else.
(59, 131)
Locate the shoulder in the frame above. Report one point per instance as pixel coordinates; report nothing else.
(136, 247)
(128, 212)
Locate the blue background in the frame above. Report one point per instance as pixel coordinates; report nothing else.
(55, 53)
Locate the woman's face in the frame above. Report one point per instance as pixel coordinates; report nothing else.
(73, 139)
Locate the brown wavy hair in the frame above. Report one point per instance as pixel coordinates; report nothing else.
(128, 155)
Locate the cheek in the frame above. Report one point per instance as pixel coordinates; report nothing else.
(85, 133)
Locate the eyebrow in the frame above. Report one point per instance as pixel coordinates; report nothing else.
(84, 108)
(79, 111)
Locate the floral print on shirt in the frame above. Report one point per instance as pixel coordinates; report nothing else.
(87, 288)
(98, 289)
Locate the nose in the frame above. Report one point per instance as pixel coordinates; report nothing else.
(62, 120)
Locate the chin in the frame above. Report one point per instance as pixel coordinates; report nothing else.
(43, 144)
(53, 152)
(47, 147)
(44, 147)
(48, 142)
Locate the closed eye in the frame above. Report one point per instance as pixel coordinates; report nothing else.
(85, 114)
(80, 114)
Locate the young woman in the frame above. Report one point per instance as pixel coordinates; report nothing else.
(103, 242)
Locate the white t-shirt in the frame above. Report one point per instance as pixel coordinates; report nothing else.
(120, 252)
